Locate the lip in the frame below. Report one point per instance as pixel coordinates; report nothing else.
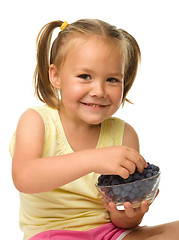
(94, 105)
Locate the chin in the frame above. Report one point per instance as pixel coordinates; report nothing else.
(95, 121)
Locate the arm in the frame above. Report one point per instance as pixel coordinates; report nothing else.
(129, 217)
(33, 174)
(30, 171)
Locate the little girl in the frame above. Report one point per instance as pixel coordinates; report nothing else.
(60, 149)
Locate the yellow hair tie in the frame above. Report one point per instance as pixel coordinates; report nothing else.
(64, 25)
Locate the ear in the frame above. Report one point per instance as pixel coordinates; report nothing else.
(54, 76)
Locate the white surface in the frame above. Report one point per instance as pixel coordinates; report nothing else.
(155, 93)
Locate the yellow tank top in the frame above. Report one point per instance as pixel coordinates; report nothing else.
(76, 205)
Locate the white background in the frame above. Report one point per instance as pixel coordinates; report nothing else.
(154, 115)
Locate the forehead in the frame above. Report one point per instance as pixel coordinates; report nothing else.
(99, 48)
(79, 40)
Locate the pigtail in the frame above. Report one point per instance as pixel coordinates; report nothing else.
(43, 88)
(132, 63)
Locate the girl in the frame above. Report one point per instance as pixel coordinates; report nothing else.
(60, 149)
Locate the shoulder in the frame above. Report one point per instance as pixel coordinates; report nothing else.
(30, 126)
(35, 126)
(36, 119)
(31, 118)
(130, 138)
(39, 115)
(30, 122)
(27, 141)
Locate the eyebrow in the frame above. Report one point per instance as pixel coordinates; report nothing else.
(116, 74)
(110, 74)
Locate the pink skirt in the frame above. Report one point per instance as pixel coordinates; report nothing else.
(105, 232)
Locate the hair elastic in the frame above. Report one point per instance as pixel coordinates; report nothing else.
(64, 25)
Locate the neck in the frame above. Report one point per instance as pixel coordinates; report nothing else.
(80, 136)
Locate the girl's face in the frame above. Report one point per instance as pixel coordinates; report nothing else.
(91, 80)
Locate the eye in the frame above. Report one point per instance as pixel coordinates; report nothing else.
(85, 76)
(113, 80)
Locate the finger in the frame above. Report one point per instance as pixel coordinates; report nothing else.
(123, 172)
(129, 166)
(113, 209)
(112, 206)
(137, 159)
(129, 209)
(144, 206)
(105, 204)
(157, 193)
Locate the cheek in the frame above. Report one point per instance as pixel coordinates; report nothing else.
(73, 92)
(117, 96)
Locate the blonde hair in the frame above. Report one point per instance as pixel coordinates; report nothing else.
(47, 55)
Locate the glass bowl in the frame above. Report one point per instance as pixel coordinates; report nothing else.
(133, 192)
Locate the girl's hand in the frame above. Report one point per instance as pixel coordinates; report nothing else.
(128, 218)
(117, 160)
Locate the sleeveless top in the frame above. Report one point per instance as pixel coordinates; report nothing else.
(76, 205)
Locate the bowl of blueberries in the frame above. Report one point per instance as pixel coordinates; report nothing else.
(136, 188)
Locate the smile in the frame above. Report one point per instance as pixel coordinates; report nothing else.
(94, 105)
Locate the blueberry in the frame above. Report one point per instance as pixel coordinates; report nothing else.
(116, 190)
(124, 193)
(148, 183)
(129, 179)
(157, 169)
(143, 188)
(135, 190)
(127, 187)
(144, 171)
(107, 190)
(148, 166)
(118, 198)
(137, 184)
(154, 168)
(155, 173)
(141, 177)
(136, 176)
(148, 175)
(114, 182)
(140, 194)
(110, 194)
(131, 196)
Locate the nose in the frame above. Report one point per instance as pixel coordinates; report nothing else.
(98, 90)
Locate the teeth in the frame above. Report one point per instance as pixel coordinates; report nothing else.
(94, 105)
